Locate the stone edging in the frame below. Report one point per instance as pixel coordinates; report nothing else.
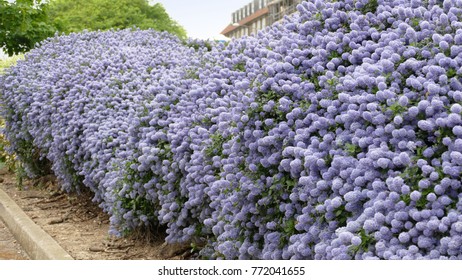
(34, 240)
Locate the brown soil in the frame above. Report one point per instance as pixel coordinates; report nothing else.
(80, 227)
(9, 247)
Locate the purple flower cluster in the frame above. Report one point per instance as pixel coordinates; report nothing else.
(335, 134)
(97, 106)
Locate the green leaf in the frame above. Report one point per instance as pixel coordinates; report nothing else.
(370, 7)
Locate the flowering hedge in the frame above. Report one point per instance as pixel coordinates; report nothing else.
(336, 134)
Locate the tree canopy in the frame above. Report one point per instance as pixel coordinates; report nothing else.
(77, 15)
(23, 23)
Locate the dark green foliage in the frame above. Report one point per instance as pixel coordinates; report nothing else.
(370, 7)
(23, 24)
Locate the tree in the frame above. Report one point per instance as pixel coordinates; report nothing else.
(23, 23)
(77, 15)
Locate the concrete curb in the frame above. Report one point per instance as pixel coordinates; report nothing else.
(34, 240)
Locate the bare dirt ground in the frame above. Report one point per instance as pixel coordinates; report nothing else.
(9, 248)
(80, 227)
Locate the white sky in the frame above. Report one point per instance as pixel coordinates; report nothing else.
(203, 19)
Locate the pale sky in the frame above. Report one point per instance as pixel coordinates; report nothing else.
(203, 19)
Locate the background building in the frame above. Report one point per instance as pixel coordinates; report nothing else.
(257, 15)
